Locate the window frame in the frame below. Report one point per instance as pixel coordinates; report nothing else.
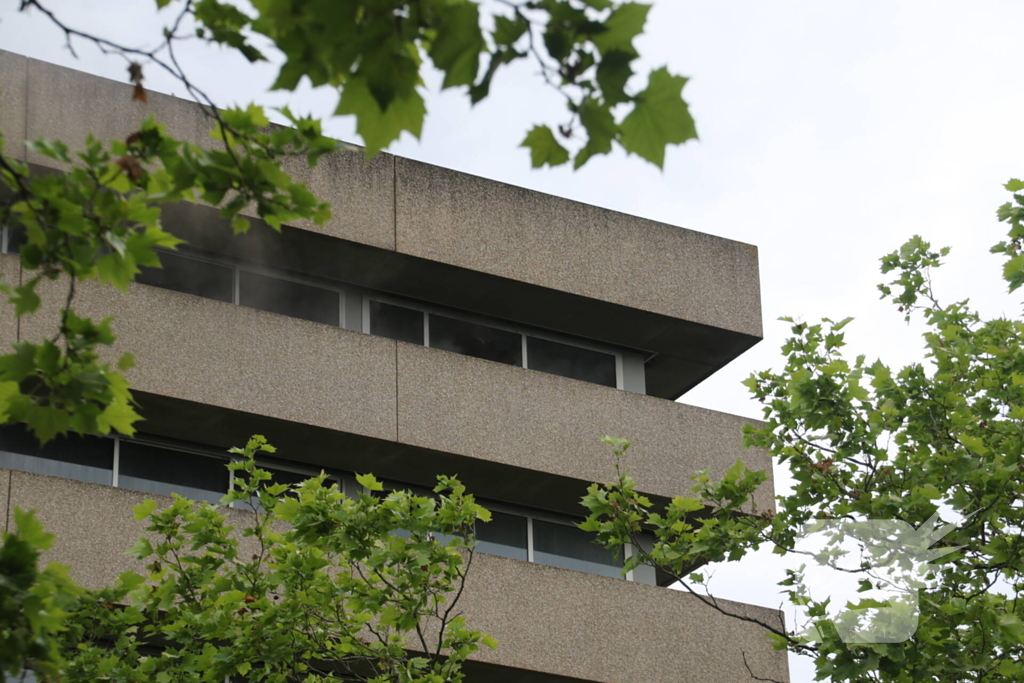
(522, 330)
(528, 513)
(237, 266)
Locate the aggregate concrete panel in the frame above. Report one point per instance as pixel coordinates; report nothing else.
(543, 423)
(547, 620)
(13, 102)
(219, 354)
(94, 524)
(10, 272)
(68, 104)
(5, 510)
(361, 193)
(513, 232)
(568, 623)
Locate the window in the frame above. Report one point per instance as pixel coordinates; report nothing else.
(396, 322)
(89, 459)
(410, 323)
(570, 361)
(504, 535)
(289, 298)
(419, 324)
(566, 546)
(11, 240)
(163, 471)
(473, 339)
(191, 276)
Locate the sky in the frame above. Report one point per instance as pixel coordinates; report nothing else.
(829, 134)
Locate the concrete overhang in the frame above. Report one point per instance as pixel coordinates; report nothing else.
(358, 402)
(553, 625)
(690, 301)
(681, 353)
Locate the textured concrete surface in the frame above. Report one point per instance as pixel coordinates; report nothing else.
(13, 102)
(548, 621)
(361, 194)
(10, 272)
(513, 232)
(94, 524)
(540, 422)
(67, 104)
(218, 354)
(5, 510)
(597, 628)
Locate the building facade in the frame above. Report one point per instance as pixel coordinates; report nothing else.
(439, 323)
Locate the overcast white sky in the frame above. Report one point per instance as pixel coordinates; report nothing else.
(830, 133)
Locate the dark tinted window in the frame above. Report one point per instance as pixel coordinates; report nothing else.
(191, 276)
(72, 457)
(570, 361)
(289, 298)
(163, 471)
(476, 340)
(396, 322)
(567, 546)
(15, 238)
(504, 535)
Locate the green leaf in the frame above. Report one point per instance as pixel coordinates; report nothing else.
(16, 366)
(46, 422)
(144, 509)
(544, 149)
(1012, 626)
(660, 118)
(1014, 185)
(613, 73)
(482, 513)
(686, 504)
(31, 529)
(601, 131)
(489, 641)
(624, 24)
(129, 581)
(459, 42)
(508, 31)
(1013, 272)
(379, 129)
(369, 482)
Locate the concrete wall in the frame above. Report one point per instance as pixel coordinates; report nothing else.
(543, 423)
(55, 102)
(13, 102)
(550, 622)
(482, 225)
(436, 214)
(597, 628)
(10, 272)
(216, 354)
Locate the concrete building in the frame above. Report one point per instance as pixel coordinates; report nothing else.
(439, 323)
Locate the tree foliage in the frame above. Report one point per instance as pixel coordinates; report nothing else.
(102, 219)
(940, 439)
(33, 601)
(313, 586)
